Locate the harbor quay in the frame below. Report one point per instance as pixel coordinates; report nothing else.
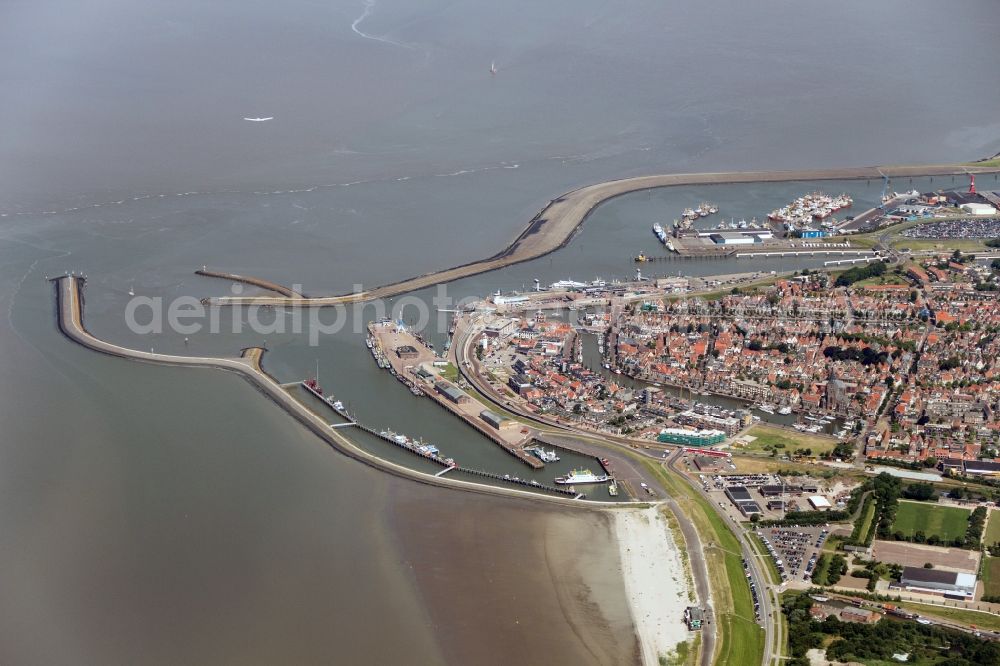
(403, 353)
(70, 320)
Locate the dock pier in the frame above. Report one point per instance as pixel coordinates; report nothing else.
(859, 260)
(799, 253)
(252, 281)
(388, 338)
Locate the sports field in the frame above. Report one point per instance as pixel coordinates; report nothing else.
(947, 522)
(991, 577)
(992, 535)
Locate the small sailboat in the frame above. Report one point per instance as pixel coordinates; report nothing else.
(131, 291)
(493, 68)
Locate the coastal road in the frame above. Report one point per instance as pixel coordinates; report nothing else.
(765, 594)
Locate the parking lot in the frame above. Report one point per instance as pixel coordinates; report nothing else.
(794, 549)
(721, 481)
(753, 591)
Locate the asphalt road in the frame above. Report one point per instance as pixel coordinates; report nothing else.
(765, 594)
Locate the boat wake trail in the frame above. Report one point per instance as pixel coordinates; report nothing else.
(369, 9)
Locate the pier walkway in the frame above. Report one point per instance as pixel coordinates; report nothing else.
(556, 224)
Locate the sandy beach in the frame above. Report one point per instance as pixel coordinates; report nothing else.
(507, 581)
(655, 582)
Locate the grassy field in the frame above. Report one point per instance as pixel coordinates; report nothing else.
(865, 524)
(992, 535)
(983, 620)
(859, 241)
(758, 464)
(943, 245)
(947, 522)
(821, 571)
(739, 640)
(886, 278)
(768, 438)
(991, 576)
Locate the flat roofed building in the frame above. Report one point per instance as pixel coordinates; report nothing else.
(519, 382)
(706, 464)
(819, 503)
(743, 501)
(750, 389)
(497, 421)
(452, 392)
(939, 581)
(501, 328)
(982, 467)
(407, 351)
(974, 208)
(691, 437)
(732, 238)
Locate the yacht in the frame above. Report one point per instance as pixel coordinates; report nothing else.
(767, 409)
(785, 411)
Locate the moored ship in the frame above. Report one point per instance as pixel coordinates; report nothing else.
(581, 476)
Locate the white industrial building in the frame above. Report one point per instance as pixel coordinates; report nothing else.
(819, 503)
(979, 209)
(732, 238)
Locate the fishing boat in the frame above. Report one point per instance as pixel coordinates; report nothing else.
(543, 455)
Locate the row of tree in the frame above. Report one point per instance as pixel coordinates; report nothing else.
(854, 641)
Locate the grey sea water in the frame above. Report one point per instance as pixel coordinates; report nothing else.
(157, 515)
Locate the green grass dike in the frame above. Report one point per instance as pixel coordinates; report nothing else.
(739, 639)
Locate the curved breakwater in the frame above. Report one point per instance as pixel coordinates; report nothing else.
(555, 225)
(69, 309)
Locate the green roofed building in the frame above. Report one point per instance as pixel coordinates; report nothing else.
(691, 437)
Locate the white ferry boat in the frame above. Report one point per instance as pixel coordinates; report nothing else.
(581, 476)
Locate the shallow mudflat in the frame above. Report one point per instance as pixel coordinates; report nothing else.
(508, 581)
